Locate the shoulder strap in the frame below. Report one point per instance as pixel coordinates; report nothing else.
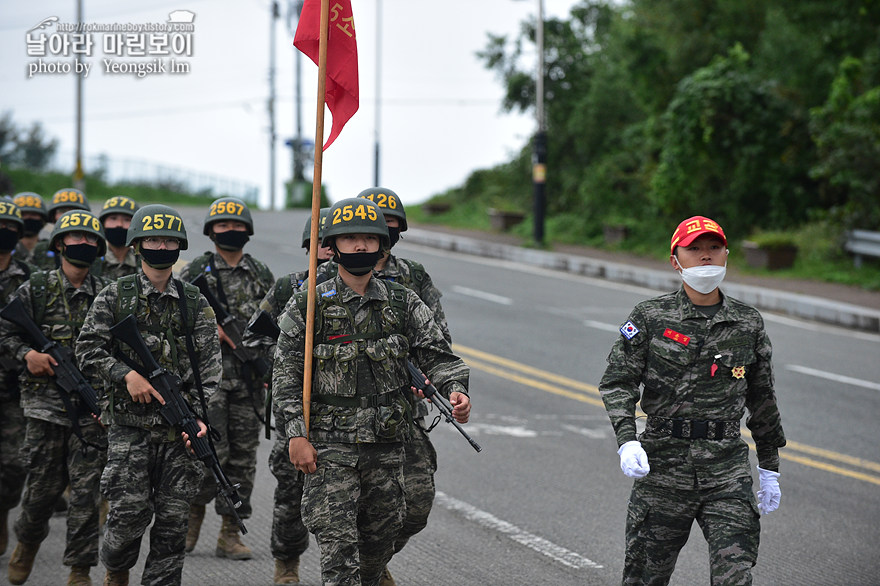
(416, 268)
(199, 264)
(263, 272)
(127, 297)
(39, 294)
(24, 267)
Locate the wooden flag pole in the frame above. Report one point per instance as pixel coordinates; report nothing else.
(316, 212)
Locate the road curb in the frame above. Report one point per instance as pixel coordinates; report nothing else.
(783, 302)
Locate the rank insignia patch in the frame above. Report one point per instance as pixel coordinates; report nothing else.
(738, 371)
(629, 330)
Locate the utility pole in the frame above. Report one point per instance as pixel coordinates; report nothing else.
(378, 90)
(539, 159)
(272, 139)
(78, 173)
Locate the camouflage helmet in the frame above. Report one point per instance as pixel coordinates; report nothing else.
(67, 198)
(28, 201)
(355, 216)
(157, 220)
(78, 221)
(307, 231)
(388, 201)
(11, 212)
(226, 209)
(118, 204)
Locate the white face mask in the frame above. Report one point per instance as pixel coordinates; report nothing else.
(703, 279)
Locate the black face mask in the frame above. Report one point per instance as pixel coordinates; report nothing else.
(116, 236)
(32, 226)
(394, 235)
(231, 239)
(8, 239)
(358, 263)
(80, 255)
(161, 258)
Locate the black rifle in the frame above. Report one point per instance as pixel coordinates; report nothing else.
(176, 410)
(420, 381)
(233, 330)
(67, 375)
(254, 366)
(262, 324)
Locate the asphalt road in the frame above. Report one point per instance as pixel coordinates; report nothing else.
(544, 502)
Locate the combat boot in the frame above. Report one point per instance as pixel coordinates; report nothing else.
(22, 562)
(79, 576)
(4, 530)
(386, 579)
(116, 578)
(229, 544)
(287, 571)
(196, 516)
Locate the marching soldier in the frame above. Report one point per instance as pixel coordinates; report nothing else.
(421, 458)
(238, 281)
(63, 442)
(33, 214)
(13, 272)
(64, 200)
(115, 216)
(703, 359)
(352, 457)
(150, 476)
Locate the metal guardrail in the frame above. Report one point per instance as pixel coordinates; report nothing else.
(862, 243)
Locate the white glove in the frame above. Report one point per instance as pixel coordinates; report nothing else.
(633, 460)
(769, 495)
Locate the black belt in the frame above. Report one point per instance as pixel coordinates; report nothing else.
(380, 400)
(693, 428)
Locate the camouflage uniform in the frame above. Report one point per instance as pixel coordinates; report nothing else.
(149, 471)
(12, 421)
(43, 258)
(111, 268)
(421, 458)
(290, 538)
(54, 455)
(233, 409)
(22, 253)
(359, 448)
(695, 368)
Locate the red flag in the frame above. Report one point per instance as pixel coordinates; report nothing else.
(342, 66)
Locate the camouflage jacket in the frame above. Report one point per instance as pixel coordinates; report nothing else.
(695, 368)
(112, 268)
(361, 345)
(22, 253)
(412, 275)
(10, 279)
(43, 258)
(158, 315)
(63, 309)
(273, 303)
(242, 286)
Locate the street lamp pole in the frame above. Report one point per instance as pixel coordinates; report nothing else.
(539, 159)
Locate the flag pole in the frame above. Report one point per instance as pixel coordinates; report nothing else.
(316, 212)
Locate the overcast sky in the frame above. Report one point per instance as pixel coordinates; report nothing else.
(440, 110)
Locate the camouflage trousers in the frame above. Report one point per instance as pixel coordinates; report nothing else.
(149, 473)
(354, 505)
(290, 538)
(659, 522)
(12, 468)
(419, 466)
(231, 412)
(54, 458)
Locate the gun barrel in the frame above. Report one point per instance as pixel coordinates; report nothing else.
(202, 283)
(16, 313)
(417, 377)
(262, 324)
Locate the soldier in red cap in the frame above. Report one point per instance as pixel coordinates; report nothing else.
(702, 359)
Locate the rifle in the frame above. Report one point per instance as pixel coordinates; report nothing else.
(262, 324)
(232, 328)
(176, 411)
(420, 381)
(67, 375)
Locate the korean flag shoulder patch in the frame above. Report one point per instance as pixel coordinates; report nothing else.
(629, 330)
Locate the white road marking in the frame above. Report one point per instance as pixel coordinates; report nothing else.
(538, 544)
(602, 326)
(482, 295)
(511, 430)
(839, 378)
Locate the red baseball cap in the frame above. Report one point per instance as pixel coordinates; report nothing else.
(693, 227)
